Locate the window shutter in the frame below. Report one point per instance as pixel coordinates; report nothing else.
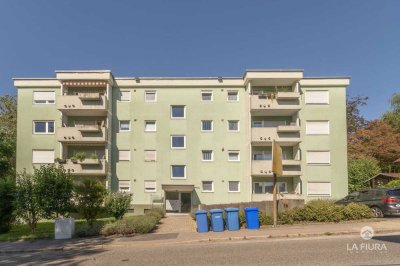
(125, 96)
(317, 127)
(125, 155)
(150, 156)
(124, 185)
(317, 97)
(43, 156)
(318, 157)
(319, 188)
(44, 95)
(150, 185)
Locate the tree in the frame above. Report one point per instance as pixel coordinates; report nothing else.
(117, 204)
(393, 184)
(55, 187)
(27, 200)
(378, 140)
(355, 120)
(7, 197)
(393, 116)
(8, 133)
(89, 196)
(7, 155)
(360, 170)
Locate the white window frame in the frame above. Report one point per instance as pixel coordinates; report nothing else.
(238, 125)
(212, 126)
(264, 183)
(46, 101)
(155, 156)
(233, 191)
(155, 125)
(119, 187)
(123, 130)
(147, 190)
(319, 195)
(237, 96)
(47, 127)
(310, 101)
(184, 142)
(125, 91)
(313, 163)
(308, 122)
(150, 92)
(42, 162)
(202, 155)
(178, 178)
(124, 160)
(210, 92)
(207, 191)
(184, 112)
(234, 151)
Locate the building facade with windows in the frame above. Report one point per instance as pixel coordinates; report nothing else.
(185, 141)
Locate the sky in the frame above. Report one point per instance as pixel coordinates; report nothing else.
(356, 38)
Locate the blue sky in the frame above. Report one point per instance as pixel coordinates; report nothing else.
(360, 39)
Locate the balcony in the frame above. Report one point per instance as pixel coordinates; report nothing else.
(82, 134)
(264, 168)
(286, 135)
(281, 104)
(268, 196)
(83, 104)
(93, 167)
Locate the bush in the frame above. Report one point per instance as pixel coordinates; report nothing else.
(55, 188)
(86, 230)
(242, 218)
(117, 204)
(158, 213)
(356, 211)
(7, 189)
(393, 184)
(265, 219)
(89, 197)
(141, 224)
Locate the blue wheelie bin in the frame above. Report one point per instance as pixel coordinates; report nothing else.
(217, 222)
(251, 214)
(202, 221)
(232, 219)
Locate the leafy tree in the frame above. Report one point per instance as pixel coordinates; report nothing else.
(7, 155)
(360, 170)
(89, 196)
(117, 204)
(355, 120)
(55, 187)
(7, 197)
(27, 200)
(8, 133)
(393, 184)
(393, 116)
(378, 140)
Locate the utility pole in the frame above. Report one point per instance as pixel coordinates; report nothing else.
(277, 169)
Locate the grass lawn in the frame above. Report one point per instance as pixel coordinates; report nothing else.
(45, 229)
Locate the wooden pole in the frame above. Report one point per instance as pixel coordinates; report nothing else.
(275, 202)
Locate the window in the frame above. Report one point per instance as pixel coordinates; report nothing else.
(233, 156)
(150, 156)
(150, 96)
(150, 186)
(317, 127)
(207, 186)
(317, 97)
(233, 96)
(267, 187)
(257, 124)
(233, 186)
(124, 185)
(178, 142)
(206, 96)
(206, 125)
(178, 171)
(43, 156)
(319, 189)
(318, 157)
(124, 155)
(233, 125)
(207, 155)
(43, 127)
(150, 126)
(125, 96)
(124, 125)
(178, 111)
(44, 97)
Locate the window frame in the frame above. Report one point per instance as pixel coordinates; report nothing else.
(130, 96)
(33, 150)
(150, 191)
(232, 191)
(319, 195)
(201, 126)
(119, 156)
(207, 191)
(155, 125)
(184, 172)
(202, 155)
(47, 127)
(237, 96)
(322, 164)
(318, 134)
(234, 151)
(150, 92)
(316, 103)
(178, 118)
(129, 123)
(124, 191)
(155, 156)
(47, 101)
(210, 92)
(238, 126)
(184, 142)
(264, 184)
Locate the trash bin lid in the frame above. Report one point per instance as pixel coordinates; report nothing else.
(251, 209)
(216, 211)
(232, 209)
(200, 212)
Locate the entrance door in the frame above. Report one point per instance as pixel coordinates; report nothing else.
(180, 202)
(186, 202)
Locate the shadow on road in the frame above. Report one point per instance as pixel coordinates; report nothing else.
(390, 238)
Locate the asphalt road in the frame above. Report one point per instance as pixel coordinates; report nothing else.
(329, 250)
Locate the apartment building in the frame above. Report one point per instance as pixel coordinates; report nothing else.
(184, 141)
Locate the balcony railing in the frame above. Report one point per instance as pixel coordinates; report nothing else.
(281, 134)
(85, 104)
(82, 134)
(264, 168)
(86, 167)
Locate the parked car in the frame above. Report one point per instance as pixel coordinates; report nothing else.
(383, 201)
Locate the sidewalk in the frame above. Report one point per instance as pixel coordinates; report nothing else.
(388, 225)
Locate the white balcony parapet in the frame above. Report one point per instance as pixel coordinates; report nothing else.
(82, 134)
(96, 167)
(264, 168)
(74, 105)
(281, 134)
